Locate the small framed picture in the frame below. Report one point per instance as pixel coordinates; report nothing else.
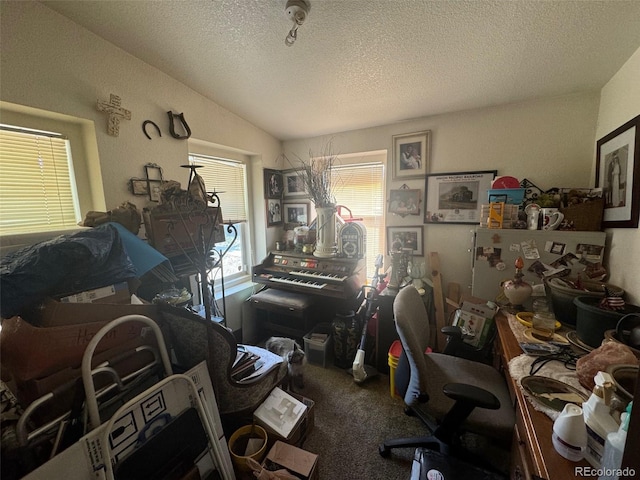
(296, 214)
(274, 212)
(405, 238)
(155, 188)
(405, 201)
(411, 155)
(139, 186)
(293, 184)
(273, 186)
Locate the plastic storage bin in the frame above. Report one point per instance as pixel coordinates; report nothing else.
(394, 356)
(317, 349)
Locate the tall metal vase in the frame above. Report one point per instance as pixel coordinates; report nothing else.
(326, 232)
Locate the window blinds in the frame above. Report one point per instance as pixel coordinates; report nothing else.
(37, 187)
(227, 178)
(360, 189)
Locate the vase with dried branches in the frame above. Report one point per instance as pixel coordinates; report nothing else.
(316, 177)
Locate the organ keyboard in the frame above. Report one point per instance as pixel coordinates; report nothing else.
(329, 277)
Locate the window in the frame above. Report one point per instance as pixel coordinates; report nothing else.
(228, 179)
(37, 183)
(361, 189)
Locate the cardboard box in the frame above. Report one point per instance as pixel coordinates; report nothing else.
(116, 293)
(308, 420)
(295, 460)
(477, 319)
(284, 417)
(30, 352)
(55, 314)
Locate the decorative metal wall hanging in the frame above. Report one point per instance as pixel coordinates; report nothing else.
(183, 122)
(149, 186)
(144, 128)
(531, 192)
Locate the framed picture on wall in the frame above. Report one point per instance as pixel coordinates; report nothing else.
(411, 155)
(293, 184)
(405, 201)
(297, 213)
(618, 174)
(273, 184)
(274, 212)
(401, 238)
(456, 197)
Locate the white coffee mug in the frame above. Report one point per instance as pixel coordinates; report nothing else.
(551, 218)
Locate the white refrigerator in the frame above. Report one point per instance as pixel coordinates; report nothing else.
(495, 251)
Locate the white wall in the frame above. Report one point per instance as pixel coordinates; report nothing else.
(619, 103)
(548, 141)
(50, 63)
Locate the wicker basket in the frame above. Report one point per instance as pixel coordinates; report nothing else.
(585, 216)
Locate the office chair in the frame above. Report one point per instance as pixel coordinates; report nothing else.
(462, 395)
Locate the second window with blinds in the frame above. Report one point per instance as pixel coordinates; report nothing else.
(227, 178)
(360, 188)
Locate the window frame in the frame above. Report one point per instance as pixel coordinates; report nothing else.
(89, 185)
(242, 227)
(366, 160)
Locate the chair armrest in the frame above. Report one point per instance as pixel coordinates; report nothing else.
(452, 331)
(478, 397)
(454, 340)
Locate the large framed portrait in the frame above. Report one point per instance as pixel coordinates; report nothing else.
(405, 238)
(618, 173)
(411, 155)
(456, 197)
(273, 183)
(274, 212)
(293, 184)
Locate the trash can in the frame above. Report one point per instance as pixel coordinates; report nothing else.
(238, 446)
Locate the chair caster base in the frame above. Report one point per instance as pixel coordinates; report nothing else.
(384, 451)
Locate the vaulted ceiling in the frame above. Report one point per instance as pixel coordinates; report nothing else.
(363, 63)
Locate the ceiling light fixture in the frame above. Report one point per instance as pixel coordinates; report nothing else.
(296, 11)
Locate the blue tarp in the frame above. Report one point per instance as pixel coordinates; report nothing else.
(63, 265)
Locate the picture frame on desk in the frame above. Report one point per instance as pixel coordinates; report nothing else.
(618, 173)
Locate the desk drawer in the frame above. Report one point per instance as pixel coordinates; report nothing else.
(520, 458)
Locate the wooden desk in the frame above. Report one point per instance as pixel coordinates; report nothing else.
(532, 453)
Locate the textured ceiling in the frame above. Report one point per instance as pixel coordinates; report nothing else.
(363, 63)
